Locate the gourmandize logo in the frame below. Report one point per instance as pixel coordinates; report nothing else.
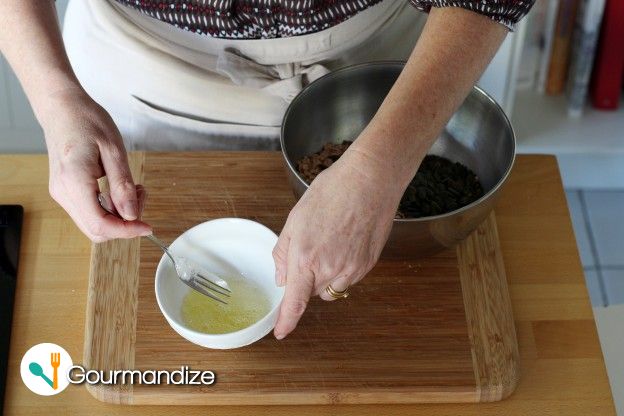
(44, 369)
(55, 361)
(47, 369)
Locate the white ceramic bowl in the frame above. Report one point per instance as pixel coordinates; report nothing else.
(226, 246)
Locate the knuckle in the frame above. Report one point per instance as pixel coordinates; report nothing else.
(296, 307)
(96, 230)
(96, 239)
(123, 186)
(351, 269)
(59, 189)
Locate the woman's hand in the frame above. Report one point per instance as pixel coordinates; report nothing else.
(335, 233)
(83, 142)
(84, 145)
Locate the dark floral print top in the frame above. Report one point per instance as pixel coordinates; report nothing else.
(265, 19)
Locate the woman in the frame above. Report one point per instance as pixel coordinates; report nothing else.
(208, 74)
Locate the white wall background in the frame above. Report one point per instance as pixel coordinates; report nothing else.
(19, 130)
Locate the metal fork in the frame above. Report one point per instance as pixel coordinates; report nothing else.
(191, 274)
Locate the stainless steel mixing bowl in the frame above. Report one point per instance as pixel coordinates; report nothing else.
(339, 105)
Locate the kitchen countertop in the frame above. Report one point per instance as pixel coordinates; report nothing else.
(561, 363)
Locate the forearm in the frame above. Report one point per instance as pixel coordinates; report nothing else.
(31, 41)
(453, 51)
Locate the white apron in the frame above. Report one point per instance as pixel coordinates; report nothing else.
(170, 89)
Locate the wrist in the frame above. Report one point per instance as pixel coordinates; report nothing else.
(54, 103)
(376, 171)
(61, 106)
(388, 155)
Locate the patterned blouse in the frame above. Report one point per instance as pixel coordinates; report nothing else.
(264, 19)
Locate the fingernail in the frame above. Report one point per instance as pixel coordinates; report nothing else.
(146, 233)
(131, 209)
(279, 336)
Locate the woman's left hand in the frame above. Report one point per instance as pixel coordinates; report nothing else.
(335, 233)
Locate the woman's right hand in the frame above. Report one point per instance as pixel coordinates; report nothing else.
(83, 145)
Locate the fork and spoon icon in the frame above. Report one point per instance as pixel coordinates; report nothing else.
(55, 362)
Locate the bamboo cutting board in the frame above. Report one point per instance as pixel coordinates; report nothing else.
(432, 330)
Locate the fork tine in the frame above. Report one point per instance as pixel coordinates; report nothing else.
(204, 285)
(213, 282)
(219, 289)
(200, 289)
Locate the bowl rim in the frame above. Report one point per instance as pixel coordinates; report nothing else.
(398, 63)
(171, 320)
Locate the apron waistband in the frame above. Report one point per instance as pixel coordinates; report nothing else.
(305, 48)
(279, 66)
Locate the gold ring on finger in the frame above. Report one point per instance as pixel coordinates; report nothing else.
(337, 294)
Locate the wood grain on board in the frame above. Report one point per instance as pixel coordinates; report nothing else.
(429, 330)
